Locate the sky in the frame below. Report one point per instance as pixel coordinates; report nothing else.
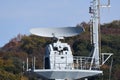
(19, 16)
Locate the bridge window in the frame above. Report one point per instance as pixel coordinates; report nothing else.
(65, 49)
(55, 48)
(62, 57)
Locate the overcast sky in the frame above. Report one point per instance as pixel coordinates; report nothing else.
(19, 16)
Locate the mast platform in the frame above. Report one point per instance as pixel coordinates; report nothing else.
(82, 68)
(65, 74)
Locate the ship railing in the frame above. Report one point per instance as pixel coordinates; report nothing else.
(83, 63)
(79, 62)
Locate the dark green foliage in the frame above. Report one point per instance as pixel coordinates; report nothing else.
(8, 76)
(81, 47)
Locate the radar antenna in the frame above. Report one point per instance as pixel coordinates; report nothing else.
(59, 32)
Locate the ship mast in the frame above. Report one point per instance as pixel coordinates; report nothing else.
(95, 20)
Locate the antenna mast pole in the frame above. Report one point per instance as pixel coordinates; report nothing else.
(94, 10)
(95, 15)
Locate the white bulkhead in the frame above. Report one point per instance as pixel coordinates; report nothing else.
(58, 56)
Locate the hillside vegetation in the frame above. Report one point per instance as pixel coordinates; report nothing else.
(13, 55)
